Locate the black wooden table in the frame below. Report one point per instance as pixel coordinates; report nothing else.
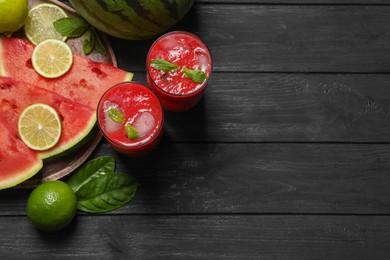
(287, 156)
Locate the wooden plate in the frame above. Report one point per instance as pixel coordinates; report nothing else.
(59, 167)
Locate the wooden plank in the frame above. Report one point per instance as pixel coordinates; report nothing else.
(253, 107)
(282, 38)
(250, 178)
(202, 237)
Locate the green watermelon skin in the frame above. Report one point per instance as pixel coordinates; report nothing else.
(132, 19)
(85, 82)
(17, 162)
(77, 119)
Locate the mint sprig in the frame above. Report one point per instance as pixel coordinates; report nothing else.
(132, 133)
(116, 115)
(71, 27)
(74, 27)
(196, 75)
(161, 64)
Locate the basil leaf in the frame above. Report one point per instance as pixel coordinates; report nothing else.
(196, 75)
(132, 133)
(91, 170)
(100, 47)
(116, 115)
(71, 27)
(106, 193)
(89, 42)
(161, 64)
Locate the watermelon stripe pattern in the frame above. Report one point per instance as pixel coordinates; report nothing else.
(132, 19)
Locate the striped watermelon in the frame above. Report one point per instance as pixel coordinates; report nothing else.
(132, 19)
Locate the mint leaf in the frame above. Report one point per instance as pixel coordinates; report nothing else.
(161, 64)
(71, 27)
(89, 42)
(93, 169)
(132, 133)
(116, 115)
(196, 75)
(99, 47)
(106, 193)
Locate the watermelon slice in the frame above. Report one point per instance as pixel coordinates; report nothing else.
(84, 83)
(77, 119)
(17, 161)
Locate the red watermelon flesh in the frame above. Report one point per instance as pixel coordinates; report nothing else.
(77, 119)
(17, 162)
(85, 82)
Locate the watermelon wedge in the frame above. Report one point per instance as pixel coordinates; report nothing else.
(17, 162)
(84, 83)
(77, 119)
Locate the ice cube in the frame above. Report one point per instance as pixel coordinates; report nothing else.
(201, 57)
(144, 123)
(168, 44)
(110, 125)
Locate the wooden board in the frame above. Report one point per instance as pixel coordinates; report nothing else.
(59, 167)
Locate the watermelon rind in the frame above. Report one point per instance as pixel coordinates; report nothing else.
(57, 150)
(10, 177)
(21, 176)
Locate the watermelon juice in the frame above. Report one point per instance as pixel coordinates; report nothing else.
(131, 118)
(179, 65)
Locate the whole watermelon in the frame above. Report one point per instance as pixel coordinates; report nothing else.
(132, 19)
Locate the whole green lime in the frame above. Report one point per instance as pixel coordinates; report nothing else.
(52, 205)
(13, 14)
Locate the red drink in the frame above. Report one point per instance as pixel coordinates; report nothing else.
(131, 118)
(176, 89)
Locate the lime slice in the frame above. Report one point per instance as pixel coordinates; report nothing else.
(39, 23)
(39, 127)
(52, 58)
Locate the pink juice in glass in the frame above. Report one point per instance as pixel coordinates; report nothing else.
(131, 118)
(176, 89)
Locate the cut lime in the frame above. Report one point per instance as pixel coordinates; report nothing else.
(39, 127)
(39, 23)
(52, 58)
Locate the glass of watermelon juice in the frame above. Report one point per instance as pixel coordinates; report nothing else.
(131, 118)
(179, 65)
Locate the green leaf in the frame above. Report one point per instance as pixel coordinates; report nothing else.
(71, 27)
(91, 170)
(161, 64)
(116, 115)
(196, 75)
(132, 133)
(89, 42)
(106, 193)
(100, 47)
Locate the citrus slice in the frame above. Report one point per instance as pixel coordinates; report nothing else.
(39, 126)
(39, 23)
(52, 58)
